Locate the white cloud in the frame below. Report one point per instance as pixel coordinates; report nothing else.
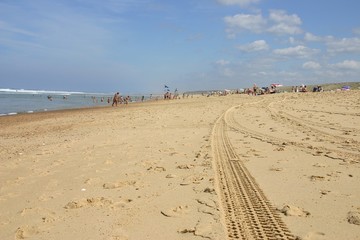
(292, 40)
(280, 16)
(312, 38)
(279, 22)
(238, 2)
(259, 45)
(345, 45)
(298, 51)
(284, 23)
(348, 64)
(283, 28)
(253, 23)
(311, 65)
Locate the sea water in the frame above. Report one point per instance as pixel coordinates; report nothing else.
(28, 101)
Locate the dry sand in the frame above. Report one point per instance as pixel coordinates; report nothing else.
(171, 169)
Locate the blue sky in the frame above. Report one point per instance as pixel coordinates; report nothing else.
(137, 46)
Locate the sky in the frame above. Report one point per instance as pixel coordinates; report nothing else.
(138, 46)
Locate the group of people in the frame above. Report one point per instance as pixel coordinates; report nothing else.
(301, 88)
(255, 90)
(318, 88)
(118, 99)
(169, 95)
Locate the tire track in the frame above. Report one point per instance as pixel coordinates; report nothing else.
(328, 112)
(346, 155)
(301, 124)
(248, 213)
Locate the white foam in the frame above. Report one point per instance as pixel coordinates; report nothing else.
(27, 91)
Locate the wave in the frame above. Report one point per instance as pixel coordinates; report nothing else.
(26, 91)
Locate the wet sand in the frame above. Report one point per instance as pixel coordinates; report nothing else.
(158, 170)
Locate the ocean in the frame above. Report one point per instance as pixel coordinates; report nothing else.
(29, 101)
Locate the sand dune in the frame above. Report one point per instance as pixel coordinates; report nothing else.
(230, 167)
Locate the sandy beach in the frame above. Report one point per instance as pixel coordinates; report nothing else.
(279, 166)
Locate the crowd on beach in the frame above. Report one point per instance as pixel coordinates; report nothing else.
(254, 91)
(118, 99)
(168, 95)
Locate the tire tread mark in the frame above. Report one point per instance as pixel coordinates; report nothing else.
(342, 155)
(248, 213)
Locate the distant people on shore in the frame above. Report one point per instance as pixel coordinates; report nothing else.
(255, 89)
(115, 99)
(167, 95)
(127, 99)
(94, 99)
(302, 88)
(318, 88)
(295, 89)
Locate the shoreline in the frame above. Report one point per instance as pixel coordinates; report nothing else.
(146, 170)
(327, 87)
(23, 103)
(75, 109)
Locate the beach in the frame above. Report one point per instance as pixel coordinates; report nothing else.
(218, 167)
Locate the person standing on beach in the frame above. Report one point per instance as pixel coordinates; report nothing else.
(115, 99)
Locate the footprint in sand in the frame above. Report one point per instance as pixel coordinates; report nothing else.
(26, 231)
(191, 179)
(273, 129)
(170, 176)
(113, 185)
(46, 214)
(315, 235)
(185, 166)
(276, 169)
(91, 181)
(98, 202)
(279, 149)
(209, 190)
(176, 212)
(208, 203)
(206, 210)
(90, 202)
(288, 210)
(316, 178)
(354, 217)
(156, 169)
(202, 229)
(324, 192)
(319, 165)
